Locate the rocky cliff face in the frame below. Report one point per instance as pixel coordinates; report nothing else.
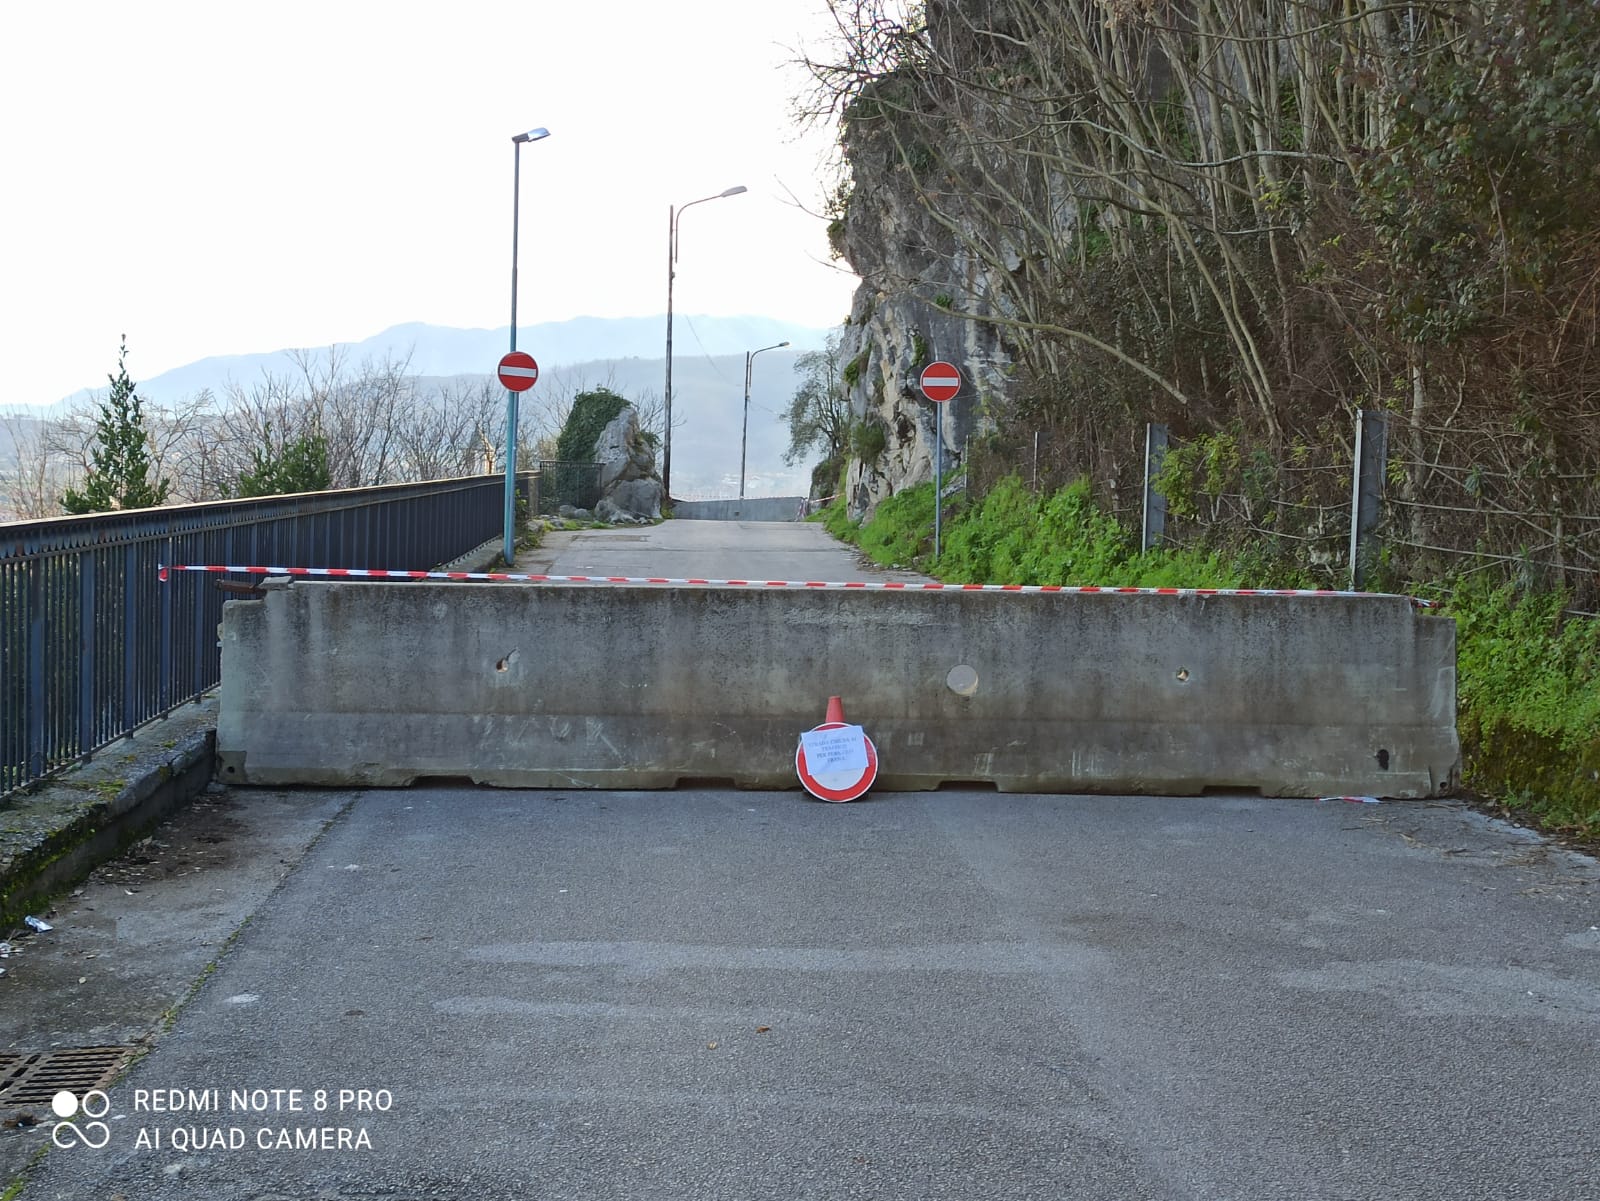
(921, 295)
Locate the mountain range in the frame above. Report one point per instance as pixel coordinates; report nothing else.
(624, 354)
(437, 350)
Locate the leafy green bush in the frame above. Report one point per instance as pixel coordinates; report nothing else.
(856, 368)
(1012, 536)
(300, 464)
(867, 440)
(1528, 684)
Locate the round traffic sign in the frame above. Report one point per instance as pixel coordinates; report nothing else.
(940, 381)
(518, 371)
(848, 784)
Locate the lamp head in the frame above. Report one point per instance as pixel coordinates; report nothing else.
(533, 135)
(733, 191)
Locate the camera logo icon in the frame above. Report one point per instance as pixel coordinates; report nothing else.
(93, 1133)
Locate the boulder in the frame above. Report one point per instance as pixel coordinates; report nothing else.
(630, 488)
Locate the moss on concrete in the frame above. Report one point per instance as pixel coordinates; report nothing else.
(59, 830)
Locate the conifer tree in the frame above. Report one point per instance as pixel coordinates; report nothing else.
(120, 469)
(300, 465)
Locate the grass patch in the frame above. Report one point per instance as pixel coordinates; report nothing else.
(1529, 704)
(902, 528)
(835, 518)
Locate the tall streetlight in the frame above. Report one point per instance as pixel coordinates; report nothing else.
(510, 548)
(749, 359)
(673, 215)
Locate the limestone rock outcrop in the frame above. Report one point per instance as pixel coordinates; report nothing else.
(918, 272)
(630, 486)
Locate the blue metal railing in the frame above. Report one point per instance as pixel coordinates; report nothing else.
(93, 644)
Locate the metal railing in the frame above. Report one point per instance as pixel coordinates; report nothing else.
(93, 644)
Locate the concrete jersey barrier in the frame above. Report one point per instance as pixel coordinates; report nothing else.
(350, 683)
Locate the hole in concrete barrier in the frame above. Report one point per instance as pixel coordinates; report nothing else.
(1383, 759)
(962, 680)
(1183, 675)
(506, 663)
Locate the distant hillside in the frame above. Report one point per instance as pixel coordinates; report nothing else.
(708, 399)
(436, 350)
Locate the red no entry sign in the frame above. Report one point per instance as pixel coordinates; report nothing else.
(518, 371)
(836, 762)
(940, 381)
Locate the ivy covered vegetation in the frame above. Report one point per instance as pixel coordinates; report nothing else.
(591, 412)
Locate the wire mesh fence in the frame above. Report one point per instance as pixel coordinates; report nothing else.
(568, 485)
(1501, 501)
(1445, 501)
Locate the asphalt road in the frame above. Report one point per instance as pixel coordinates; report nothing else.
(950, 995)
(765, 550)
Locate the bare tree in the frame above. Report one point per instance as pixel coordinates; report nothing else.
(39, 477)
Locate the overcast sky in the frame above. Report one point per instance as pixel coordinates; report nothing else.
(219, 176)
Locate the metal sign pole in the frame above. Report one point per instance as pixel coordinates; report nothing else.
(938, 472)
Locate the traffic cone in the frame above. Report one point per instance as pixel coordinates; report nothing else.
(835, 711)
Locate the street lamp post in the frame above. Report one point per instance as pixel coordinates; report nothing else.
(673, 216)
(749, 360)
(510, 548)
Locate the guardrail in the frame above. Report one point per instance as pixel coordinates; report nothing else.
(93, 644)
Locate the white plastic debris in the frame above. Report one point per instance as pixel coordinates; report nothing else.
(37, 923)
(1354, 800)
(5, 950)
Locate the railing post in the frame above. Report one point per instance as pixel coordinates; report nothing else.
(1366, 493)
(203, 643)
(128, 625)
(164, 688)
(1154, 530)
(37, 700)
(86, 656)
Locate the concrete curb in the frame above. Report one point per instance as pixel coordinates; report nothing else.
(477, 559)
(60, 832)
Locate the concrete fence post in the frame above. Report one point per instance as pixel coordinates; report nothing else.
(1155, 505)
(1366, 493)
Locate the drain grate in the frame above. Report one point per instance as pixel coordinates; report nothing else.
(35, 1079)
(10, 1065)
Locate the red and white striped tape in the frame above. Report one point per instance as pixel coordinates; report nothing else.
(361, 573)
